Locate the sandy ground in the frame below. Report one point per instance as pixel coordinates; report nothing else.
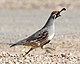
(18, 24)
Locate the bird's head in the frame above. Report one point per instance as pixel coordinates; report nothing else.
(56, 14)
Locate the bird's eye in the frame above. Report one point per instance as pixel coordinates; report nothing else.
(54, 16)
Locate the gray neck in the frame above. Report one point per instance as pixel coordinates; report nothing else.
(50, 27)
(50, 22)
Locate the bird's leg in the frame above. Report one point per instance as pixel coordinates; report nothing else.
(45, 44)
(28, 52)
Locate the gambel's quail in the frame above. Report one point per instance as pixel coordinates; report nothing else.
(42, 36)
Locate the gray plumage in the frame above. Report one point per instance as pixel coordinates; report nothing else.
(42, 36)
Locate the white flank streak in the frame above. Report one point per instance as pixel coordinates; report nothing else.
(51, 36)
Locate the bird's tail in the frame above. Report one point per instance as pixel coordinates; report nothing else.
(17, 43)
(13, 45)
(20, 42)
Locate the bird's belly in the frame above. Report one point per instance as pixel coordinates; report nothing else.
(51, 36)
(31, 44)
(36, 44)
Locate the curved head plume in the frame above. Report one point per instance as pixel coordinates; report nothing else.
(57, 13)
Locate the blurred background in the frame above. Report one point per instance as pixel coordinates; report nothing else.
(39, 4)
(20, 18)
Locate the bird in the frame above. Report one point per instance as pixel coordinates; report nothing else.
(43, 36)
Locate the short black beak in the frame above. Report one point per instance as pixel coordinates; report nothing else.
(58, 14)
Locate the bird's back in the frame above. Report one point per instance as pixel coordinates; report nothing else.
(36, 40)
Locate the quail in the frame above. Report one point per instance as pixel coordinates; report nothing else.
(42, 36)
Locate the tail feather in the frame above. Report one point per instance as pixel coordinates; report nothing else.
(19, 42)
(13, 45)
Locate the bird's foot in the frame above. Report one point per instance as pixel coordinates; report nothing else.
(41, 47)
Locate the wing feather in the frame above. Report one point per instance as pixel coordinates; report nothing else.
(39, 36)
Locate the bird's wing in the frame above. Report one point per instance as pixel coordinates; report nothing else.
(38, 36)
